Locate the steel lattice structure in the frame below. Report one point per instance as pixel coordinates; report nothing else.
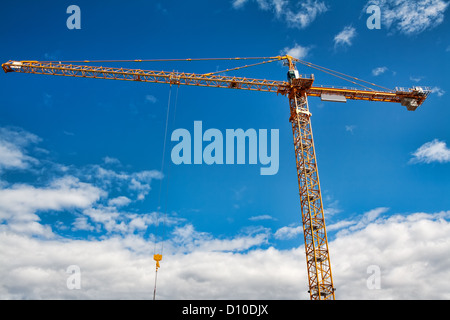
(316, 244)
(298, 88)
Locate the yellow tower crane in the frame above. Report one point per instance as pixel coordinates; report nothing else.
(297, 89)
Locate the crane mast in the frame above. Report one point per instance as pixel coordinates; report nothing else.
(316, 244)
(297, 89)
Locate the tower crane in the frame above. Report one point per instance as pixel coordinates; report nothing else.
(297, 89)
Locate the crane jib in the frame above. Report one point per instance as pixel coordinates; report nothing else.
(411, 98)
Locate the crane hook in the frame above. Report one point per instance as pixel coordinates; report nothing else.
(157, 258)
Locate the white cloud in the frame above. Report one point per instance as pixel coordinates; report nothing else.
(13, 144)
(11, 157)
(111, 160)
(187, 239)
(82, 223)
(340, 225)
(380, 70)
(331, 207)
(286, 233)
(345, 37)
(409, 251)
(261, 217)
(438, 91)
(415, 79)
(358, 222)
(20, 203)
(68, 133)
(301, 17)
(119, 201)
(297, 51)
(111, 220)
(308, 12)
(123, 268)
(434, 151)
(150, 98)
(81, 192)
(106, 217)
(350, 128)
(410, 16)
(117, 263)
(137, 182)
(238, 3)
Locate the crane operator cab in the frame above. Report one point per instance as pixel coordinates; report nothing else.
(293, 74)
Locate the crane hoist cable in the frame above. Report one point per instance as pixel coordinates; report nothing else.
(158, 254)
(336, 73)
(241, 67)
(166, 60)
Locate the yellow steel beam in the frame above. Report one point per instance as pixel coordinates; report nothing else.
(305, 82)
(316, 244)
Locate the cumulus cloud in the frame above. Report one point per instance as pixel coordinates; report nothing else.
(261, 217)
(358, 222)
(111, 161)
(408, 250)
(119, 201)
(20, 200)
(300, 17)
(433, 151)
(297, 51)
(345, 37)
(111, 220)
(308, 12)
(81, 191)
(82, 223)
(350, 128)
(438, 91)
(19, 203)
(138, 183)
(415, 78)
(123, 268)
(150, 99)
(238, 3)
(378, 71)
(411, 17)
(116, 258)
(187, 239)
(13, 148)
(289, 232)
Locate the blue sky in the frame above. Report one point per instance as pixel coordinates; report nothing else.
(80, 159)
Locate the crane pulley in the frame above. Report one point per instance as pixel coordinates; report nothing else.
(297, 88)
